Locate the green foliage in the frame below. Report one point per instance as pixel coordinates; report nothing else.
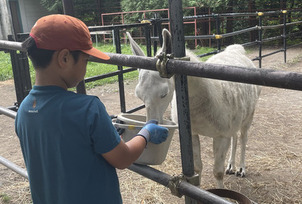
(242, 5)
(6, 71)
(130, 5)
(53, 5)
(202, 50)
(86, 10)
(213, 4)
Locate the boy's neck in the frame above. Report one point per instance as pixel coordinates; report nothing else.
(49, 78)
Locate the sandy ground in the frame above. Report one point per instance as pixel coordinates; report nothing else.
(273, 158)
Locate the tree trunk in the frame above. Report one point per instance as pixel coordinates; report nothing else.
(229, 23)
(252, 20)
(99, 12)
(203, 27)
(292, 5)
(282, 7)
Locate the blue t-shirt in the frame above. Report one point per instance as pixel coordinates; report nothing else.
(62, 136)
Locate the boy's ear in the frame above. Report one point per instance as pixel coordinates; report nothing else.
(63, 57)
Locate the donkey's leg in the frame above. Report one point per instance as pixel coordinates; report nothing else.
(243, 141)
(231, 168)
(220, 148)
(196, 155)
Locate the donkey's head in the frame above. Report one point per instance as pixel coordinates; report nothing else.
(156, 92)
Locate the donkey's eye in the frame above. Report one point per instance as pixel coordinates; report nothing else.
(163, 95)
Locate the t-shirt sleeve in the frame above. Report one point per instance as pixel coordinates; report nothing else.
(103, 134)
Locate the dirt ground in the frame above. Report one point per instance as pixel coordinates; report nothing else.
(273, 157)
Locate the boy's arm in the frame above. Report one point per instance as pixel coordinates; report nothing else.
(124, 154)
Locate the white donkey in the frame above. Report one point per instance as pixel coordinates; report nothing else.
(218, 109)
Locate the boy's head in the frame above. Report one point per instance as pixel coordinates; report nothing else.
(56, 32)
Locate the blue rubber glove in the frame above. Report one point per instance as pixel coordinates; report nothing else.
(153, 132)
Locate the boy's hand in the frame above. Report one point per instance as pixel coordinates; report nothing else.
(153, 132)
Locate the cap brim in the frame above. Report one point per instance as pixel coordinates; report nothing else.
(96, 53)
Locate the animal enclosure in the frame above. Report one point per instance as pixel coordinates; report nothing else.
(129, 60)
(273, 152)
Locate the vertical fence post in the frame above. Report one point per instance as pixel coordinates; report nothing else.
(284, 12)
(260, 14)
(181, 87)
(157, 33)
(20, 67)
(81, 87)
(148, 40)
(118, 49)
(195, 27)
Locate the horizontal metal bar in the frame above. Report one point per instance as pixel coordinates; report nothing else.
(288, 47)
(250, 43)
(294, 23)
(272, 53)
(183, 187)
(207, 16)
(238, 14)
(240, 32)
(208, 54)
(13, 108)
(229, 15)
(272, 38)
(112, 27)
(272, 26)
(11, 45)
(256, 58)
(200, 37)
(111, 74)
(191, 37)
(13, 167)
(135, 109)
(198, 194)
(151, 173)
(8, 112)
(264, 77)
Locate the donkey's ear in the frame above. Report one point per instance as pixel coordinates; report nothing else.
(167, 41)
(135, 48)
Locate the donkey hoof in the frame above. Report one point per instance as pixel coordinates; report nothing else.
(240, 173)
(229, 170)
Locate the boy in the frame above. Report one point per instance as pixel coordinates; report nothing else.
(69, 144)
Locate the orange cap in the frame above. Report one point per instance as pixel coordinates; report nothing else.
(57, 32)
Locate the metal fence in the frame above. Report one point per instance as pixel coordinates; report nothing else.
(260, 41)
(152, 35)
(264, 77)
